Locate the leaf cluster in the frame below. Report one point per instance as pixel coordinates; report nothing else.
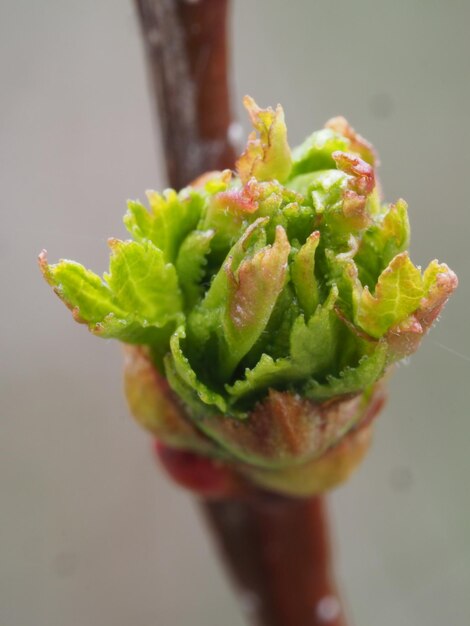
(289, 275)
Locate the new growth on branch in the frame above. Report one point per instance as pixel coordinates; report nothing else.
(263, 307)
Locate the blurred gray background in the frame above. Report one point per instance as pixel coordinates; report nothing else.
(91, 533)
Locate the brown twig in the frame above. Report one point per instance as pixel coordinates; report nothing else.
(277, 548)
(279, 553)
(186, 48)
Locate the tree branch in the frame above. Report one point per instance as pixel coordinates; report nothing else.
(186, 49)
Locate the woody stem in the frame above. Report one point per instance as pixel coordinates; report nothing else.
(186, 49)
(279, 554)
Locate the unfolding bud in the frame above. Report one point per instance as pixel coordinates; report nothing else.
(263, 310)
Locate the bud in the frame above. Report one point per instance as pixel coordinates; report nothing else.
(263, 309)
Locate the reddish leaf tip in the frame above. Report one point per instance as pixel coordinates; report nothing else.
(361, 171)
(357, 143)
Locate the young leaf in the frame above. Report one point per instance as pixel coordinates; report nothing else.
(252, 293)
(362, 177)
(254, 238)
(386, 238)
(395, 231)
(142, 283)
(190, 265)
(81, 290)
(352, 379)
(398, 293)
(267, 373)
(314, 344)
(315, 153)
(227, 212)
(323, 189)
(171, 218)
(356, 214)
(205, 320)
(267, 157)
(356, 143)
(194, 406)
(439, 282)
(342, 272)
(303, 274)
(93, 303)
(184, 370)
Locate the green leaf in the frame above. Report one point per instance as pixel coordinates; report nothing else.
(171, 218)
(341, 270)
(298, 220)
(81, 290)
(231, 211)
(266, 373)
(136, 331)
(315, 153)
(186, 373)
(439, 282)
(303, 274)
(323, 189)
(228, 213)
(431, 273)
(275, 338)
(352, 379)
(253, 290)
(386, 238)
(314, 343)
(267, 157)
(254, 238)
(398, 293)
(191, 263)
(335, 197)
(205, 321)
(142, 283)
(93, 303)
(313, 347)
(196, 408)
(395, 231)
(142, 224)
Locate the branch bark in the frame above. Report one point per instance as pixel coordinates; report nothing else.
(279, 554)
(186, 48)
